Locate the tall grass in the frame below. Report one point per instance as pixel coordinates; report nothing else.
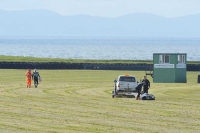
(81, 101)
(36, 59)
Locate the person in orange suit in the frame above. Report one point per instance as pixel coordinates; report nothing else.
(28, 78)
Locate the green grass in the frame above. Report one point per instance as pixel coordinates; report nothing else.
(34, 59)
(81, 101)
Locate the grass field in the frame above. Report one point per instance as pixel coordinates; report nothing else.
(35, 59)
(72, 101)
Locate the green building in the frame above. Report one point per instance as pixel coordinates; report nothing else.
(169, 67)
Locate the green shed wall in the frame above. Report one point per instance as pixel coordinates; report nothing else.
(168, 75)
(181, 75)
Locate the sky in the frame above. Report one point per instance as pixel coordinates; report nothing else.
(107, 8)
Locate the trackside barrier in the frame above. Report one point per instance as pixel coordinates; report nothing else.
(93, 66)
(198, 79)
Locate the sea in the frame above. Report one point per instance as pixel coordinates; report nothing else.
(103, 48)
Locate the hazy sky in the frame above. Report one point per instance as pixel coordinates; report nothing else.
(108, 8)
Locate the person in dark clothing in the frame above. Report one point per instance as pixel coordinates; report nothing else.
(139, 88)
(35, 77)
(146, 84)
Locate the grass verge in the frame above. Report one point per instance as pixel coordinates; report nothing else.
(81, 101)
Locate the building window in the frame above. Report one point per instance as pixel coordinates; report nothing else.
(164, 58)
(181, 58)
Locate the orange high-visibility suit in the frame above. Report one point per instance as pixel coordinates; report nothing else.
(28, 78)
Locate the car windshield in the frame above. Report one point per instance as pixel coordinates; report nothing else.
(127, 79)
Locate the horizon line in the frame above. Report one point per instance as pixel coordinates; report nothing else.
(16, 10)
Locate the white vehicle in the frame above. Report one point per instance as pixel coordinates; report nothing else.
(125, 86)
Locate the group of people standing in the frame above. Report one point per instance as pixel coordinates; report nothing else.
(32, 76)
(145, 84)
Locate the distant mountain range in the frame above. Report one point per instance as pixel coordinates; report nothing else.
(48, 23)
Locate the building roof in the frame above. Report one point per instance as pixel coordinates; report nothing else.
(170, 53)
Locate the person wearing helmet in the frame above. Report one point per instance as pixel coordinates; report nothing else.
(28, 78)
(35, 77)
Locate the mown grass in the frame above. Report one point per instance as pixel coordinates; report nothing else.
(81, 101)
